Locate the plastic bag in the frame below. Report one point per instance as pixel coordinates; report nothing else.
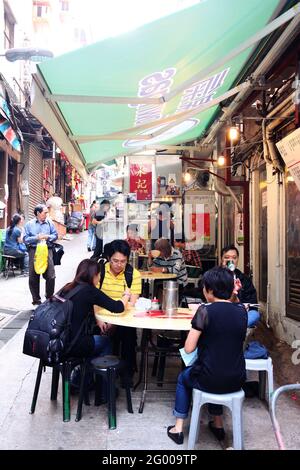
(256, 350)
(22, 247)
(41, 257)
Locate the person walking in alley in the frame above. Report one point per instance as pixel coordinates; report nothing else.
(218, 333)
(91, 241)
(98, 220)
(247, 292)
(14, 245)
(37, 229)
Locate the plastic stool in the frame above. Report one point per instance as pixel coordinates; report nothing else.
(108, 366)
(234, 401)
(263, 366)
(65, 369)
(8, 265)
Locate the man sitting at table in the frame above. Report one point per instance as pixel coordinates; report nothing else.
(170, 261)
(246, 292)
(114, 283)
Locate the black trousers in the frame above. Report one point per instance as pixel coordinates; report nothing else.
(98, 248)
(124, 344)
(34, 278)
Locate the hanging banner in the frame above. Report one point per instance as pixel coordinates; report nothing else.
(141, 181)
(289, 149)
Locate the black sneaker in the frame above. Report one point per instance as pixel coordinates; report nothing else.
(36, 302)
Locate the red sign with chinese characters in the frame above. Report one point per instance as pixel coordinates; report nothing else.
(141, 181)
(201, 225)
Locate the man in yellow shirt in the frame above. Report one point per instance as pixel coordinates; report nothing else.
(119, 277)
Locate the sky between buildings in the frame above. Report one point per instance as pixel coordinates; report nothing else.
(107, 18)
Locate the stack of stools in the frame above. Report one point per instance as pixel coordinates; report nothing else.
(108, 367)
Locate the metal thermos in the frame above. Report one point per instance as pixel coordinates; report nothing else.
(170, 297)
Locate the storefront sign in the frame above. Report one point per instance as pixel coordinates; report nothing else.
(289, 149)
(141, 181)
(200, 224)
(199, 219)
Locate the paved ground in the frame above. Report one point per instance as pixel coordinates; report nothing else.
(46, 430)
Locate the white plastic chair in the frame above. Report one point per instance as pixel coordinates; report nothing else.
(234, 401)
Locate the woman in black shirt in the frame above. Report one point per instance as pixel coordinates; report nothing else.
(218, 332)
(88, 275)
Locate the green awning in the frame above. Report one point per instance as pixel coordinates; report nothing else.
(154, 85)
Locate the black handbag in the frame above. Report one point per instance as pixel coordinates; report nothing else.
(58, 251)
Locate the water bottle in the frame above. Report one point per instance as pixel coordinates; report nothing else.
(230, 265)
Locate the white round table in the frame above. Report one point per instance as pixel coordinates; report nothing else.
(181, 321)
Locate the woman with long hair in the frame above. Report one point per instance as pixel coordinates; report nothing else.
(13, 245)
(88, 344)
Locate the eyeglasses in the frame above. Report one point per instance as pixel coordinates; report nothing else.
(118, 261)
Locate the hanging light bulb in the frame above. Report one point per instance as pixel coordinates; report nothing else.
(221, 160)
(187, 177)
(234, 133)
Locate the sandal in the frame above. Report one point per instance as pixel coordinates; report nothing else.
(219, 433)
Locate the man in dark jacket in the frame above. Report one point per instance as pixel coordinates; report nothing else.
(247, 293)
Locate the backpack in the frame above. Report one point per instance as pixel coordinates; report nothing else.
(128, 273)
(256, 350)
(48, 332)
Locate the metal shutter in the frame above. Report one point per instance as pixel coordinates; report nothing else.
(35, 179)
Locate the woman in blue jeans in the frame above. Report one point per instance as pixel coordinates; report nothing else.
(14, 245)
(88, 344)
(218, 332)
